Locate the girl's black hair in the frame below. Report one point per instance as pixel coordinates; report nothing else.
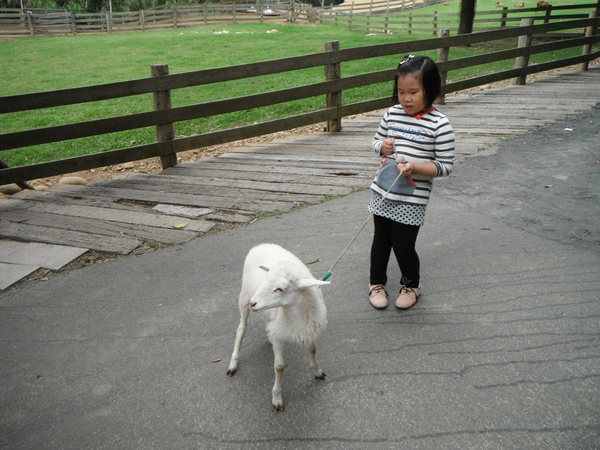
(424, 68)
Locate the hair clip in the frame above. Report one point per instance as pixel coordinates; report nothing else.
(407, 58)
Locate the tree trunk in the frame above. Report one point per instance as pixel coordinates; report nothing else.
(467, 15)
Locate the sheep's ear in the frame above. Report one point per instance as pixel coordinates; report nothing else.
(310, 282)
(265, 268)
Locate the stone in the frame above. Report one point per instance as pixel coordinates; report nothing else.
(73, 181)
(9, 189)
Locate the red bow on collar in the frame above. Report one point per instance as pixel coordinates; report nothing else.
(420, 115)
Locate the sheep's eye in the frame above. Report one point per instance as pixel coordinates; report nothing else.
(278, 290)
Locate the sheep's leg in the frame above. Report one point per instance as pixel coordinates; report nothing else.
(277, 400)
(314, 364)
(239, 336)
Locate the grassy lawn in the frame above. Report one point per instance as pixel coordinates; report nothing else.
(42, 63)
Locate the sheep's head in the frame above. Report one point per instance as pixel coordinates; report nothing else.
(280, 288)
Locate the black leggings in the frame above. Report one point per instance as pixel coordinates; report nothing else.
(389, 235)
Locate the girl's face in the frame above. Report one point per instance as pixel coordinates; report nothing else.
(411, 94)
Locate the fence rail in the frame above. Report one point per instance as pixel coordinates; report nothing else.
(377, 20)
(331, 88)
(33, 22)
(377, 16)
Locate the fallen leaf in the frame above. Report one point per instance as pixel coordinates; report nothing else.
(217, 360)
(180, 226)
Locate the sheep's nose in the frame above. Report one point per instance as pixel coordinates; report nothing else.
(252, 305)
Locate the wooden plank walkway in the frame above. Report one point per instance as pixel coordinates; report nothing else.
(188, 200)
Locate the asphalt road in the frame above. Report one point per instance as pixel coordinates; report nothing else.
(500, 352)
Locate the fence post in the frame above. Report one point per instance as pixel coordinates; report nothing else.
(435, 23)
(290, 12)
(108, 22)
(166, 131)
(142, 20)
(442, 56)
(175, 18)
(350, 18)
(334, 99)
(587, 48)
(30, 23)
(73, 23)
(548, 14)
(410, 17)
(504, 16)
(522, 62)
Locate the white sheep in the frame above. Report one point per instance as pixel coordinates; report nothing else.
(279, 286)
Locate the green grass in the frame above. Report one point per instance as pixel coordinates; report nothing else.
(35, 64)
(40, 63)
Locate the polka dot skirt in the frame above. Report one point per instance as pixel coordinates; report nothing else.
(398, 212)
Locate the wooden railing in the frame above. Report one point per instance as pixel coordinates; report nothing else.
(381, 6)
(379, 17)
(331, 88)
(33, 22)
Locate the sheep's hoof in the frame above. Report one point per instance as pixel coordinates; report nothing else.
(278, 408)
(320, 377)
(231, 372)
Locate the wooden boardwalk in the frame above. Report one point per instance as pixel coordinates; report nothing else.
(188, 200)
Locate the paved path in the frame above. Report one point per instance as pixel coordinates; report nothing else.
(189, 200)
(501, 352)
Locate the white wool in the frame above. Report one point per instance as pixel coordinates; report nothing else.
(279, 287)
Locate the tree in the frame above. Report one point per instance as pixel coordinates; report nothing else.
(467, 16)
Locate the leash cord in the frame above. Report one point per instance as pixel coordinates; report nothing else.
(328, 274)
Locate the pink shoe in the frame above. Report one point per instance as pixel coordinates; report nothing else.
(408, 297)
(378, 297)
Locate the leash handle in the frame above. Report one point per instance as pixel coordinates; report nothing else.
(399, 160)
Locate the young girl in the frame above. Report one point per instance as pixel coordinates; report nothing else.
(415, 141)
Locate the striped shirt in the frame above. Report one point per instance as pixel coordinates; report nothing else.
(428, 139)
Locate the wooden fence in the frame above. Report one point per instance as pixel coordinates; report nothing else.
(384, 18)
(33, 22)
(163, 117)
(376, 16)
(380, 6)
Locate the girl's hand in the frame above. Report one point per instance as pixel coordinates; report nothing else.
(405, 168)
(387, 148)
